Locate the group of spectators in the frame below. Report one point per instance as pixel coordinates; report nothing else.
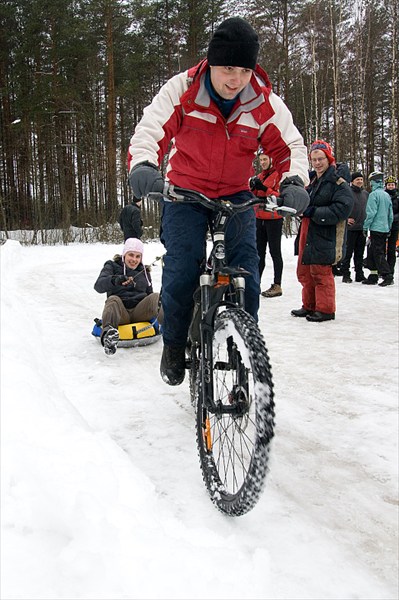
(328, 238)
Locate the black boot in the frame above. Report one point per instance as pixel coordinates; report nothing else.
(318, 317)
(301, 312)
(173, 364)
(360, 277)
(371, 280)
(388, 280)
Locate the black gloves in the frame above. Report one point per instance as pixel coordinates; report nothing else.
(293, 194)
(118, 279)
(145, 178)
(256, 184)
(309, 211)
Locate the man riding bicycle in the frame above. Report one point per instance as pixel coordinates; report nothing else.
(216, 114)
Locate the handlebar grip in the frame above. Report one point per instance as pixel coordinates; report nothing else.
(164, 192)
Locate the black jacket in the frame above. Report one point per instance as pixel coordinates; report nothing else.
(395, 207)
(332, 200)
(130, 294)
(130, 221)
(359, 208)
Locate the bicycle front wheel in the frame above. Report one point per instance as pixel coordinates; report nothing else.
(234, 441)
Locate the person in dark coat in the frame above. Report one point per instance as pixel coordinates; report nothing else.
(391, 187)
(130, 220)
(130, 297)
(355, 242)
(322, 235)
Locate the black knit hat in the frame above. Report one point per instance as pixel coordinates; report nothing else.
(234, 44)
(356, 174)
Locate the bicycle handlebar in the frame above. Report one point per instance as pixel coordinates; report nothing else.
(172, 193)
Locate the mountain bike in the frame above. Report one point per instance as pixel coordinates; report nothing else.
(230, 375)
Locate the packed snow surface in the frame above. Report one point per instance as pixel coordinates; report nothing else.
(102, 495)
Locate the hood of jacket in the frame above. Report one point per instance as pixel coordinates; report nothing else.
(376, 185)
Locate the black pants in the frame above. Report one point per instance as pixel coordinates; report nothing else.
(355, 244)
(268, 231)
(376, 260)
(391, 247)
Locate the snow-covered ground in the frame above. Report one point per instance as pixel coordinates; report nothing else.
(102, 496)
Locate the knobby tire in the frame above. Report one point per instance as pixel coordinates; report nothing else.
(234, 448)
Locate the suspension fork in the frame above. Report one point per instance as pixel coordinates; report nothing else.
(206, 333)
(210, 298)
(239, 286)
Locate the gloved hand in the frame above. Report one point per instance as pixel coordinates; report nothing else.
(309, 211)
(256, 184)
(145, 178)
(118, 279)
(293, 194)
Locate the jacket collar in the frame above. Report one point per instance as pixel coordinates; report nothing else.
(328, 175)
(253, 96)
(266, 172)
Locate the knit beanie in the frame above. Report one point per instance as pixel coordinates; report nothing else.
(234, 44)
(325, 147)
(133, 245)
(356, 174)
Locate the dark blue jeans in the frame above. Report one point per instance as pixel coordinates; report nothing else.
(183, 233)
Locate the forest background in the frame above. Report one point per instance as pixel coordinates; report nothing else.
(75, 76)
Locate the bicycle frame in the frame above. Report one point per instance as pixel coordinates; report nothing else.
(217, 280)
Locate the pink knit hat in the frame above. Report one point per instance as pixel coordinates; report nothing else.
(133, 245)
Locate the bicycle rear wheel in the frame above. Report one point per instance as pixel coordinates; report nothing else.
(234, 446)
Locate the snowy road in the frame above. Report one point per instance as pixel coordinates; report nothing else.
(102, 494)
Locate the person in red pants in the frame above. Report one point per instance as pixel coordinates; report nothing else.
(322, 235)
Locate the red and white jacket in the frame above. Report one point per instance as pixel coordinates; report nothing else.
(270, 179)
(209, 153)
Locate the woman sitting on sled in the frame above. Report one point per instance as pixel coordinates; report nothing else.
(128, 285)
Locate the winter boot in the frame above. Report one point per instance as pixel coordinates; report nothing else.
(360, 277)
(318, 317)
(273, 291)
(173, 364)
(109, 340)
(301, 312)
(387, 280)
(372, 279)
(346, 279)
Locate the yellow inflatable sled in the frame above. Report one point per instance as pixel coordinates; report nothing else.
(133, 334)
